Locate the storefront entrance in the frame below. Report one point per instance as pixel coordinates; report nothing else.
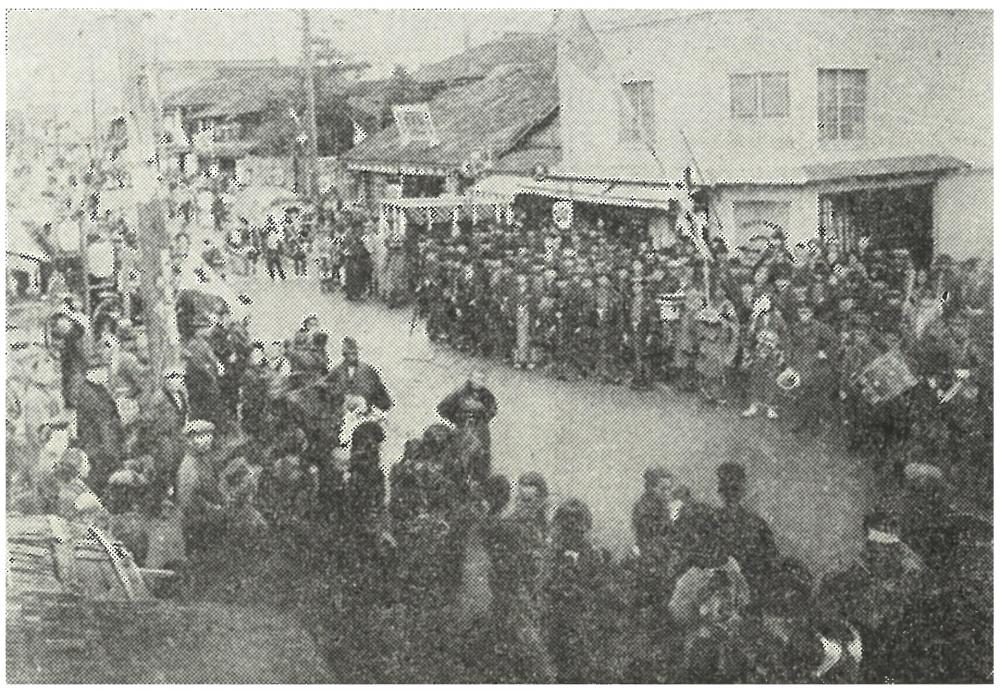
(890, 217)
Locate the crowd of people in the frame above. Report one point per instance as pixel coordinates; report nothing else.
(897, 358)
(251, 457)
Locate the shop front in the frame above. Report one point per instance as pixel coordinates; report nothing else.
(891, 218)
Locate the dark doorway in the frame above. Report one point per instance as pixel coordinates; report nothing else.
(891, 217)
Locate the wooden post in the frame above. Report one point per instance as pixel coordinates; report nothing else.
(143, 118)
(309, 76)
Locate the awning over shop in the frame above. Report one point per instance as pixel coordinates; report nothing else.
(739, 170)
(604, 192)
(405, 169)
(875, 168)
(445, 201)
(403, 211)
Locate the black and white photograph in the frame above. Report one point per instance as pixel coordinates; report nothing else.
(499, 345)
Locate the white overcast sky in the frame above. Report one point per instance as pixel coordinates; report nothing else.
(49, 51)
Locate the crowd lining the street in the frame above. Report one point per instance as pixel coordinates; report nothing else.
(252, 457)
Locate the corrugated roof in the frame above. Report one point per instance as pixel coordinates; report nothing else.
(479, 61)
(490, 116)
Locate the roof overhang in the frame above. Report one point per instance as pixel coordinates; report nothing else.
(395, 169)
(621, 194)
(872, 169)
(445, 201)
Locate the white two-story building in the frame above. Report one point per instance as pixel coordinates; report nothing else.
(875, 122)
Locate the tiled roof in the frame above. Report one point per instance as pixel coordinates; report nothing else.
(479, 61)
(492, 116)
(247, 90)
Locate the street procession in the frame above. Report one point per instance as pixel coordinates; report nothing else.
(485, 346)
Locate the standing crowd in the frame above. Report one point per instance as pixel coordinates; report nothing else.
(897, 358)
(252, 468)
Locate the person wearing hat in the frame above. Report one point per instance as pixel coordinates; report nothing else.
(641, 327)
(364, 492)
(273, 242)
(563, 343)
(745, 535)
(202, 373)
(574, 589)
(161, 432)
(197, 489)
(69, 337)
(472, 407)
(811, 350)
(99, 430)
(873, 591)
(430, 296)
(357, 265)
(353, 376)
(782, 296)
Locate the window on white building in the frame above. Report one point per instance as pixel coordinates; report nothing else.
(759, 94)
(841, 103)
(415, 124)
(638, 112)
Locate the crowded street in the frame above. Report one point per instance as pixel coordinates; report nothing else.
(574, 434)
(511, 355)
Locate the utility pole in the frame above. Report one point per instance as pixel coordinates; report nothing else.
(143, 117)
(309, 76)
(93, 97)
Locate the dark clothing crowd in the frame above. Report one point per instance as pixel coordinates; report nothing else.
(255, 470)
(897, 359)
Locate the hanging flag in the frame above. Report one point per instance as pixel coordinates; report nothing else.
(359, 133)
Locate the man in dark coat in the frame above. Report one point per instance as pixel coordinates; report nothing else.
(353, 376)
(69, 338)
(515, 552)
(456, 410)
(366, 483)
(202, 373)
(811, 350)
(746, 536)
(99, 427)
(258, 381)
(162, 434)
